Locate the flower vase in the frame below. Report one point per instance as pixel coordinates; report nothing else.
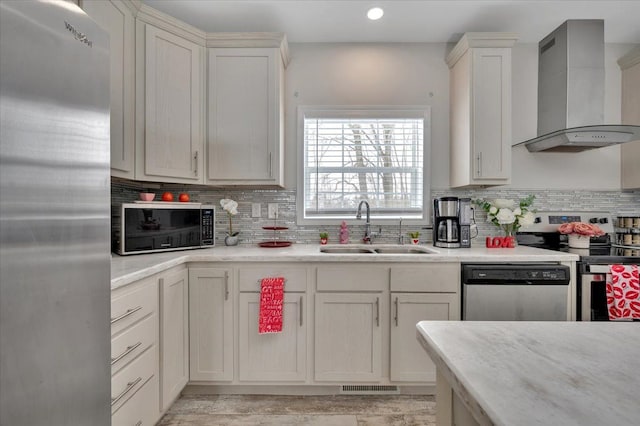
(579, 241)
(231, 240)
(324, 241)
(510, 235)
(415, 241)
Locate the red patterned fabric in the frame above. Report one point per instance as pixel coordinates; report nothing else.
(623, 292)
(271, 298)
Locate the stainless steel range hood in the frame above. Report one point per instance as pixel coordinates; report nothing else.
(571, 92)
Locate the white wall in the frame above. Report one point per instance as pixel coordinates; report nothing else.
(416, 74)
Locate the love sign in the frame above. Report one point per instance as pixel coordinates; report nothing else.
(500, 242)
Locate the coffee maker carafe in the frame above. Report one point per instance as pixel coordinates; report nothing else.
(452, 222)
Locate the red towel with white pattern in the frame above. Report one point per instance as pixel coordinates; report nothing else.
(271, 298)
(623, 292)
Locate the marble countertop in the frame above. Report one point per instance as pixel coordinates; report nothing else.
(540, 373)
(127, 269)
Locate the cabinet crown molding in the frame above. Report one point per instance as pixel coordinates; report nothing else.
(169, 23)
(470, 40)
(630, 59)
(250, 39)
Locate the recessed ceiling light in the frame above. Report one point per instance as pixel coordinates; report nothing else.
(375, 13)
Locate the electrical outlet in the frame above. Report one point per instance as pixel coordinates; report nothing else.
(272, 211)
(255, 209)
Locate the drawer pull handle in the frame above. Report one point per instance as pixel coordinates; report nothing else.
(125, 353)
(130, 386)
(126, 314)
(377, 312)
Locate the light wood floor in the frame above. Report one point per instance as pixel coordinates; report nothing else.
(336, 410)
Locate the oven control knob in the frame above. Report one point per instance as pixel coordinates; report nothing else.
(537, 220)
(603, 220)
(593, 220)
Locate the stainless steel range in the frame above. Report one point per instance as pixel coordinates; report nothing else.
(594, 261)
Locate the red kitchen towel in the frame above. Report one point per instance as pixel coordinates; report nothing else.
(623, 292)
(271, 297)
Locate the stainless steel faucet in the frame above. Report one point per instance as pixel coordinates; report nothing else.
(367, 226)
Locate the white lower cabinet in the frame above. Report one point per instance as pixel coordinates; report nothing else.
(348, 341)
(211, 327)
(134, 354)
(134, 412)
(273, 357)
(351, 322)
(418, 293)
(409, 362)
(174, 335)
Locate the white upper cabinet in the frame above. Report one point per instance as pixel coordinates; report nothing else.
(173, 141)
(480, 112)
(245, 111)
(630, 152)
(169, 99)
(118, 20)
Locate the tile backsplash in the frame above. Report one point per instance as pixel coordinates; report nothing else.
(251, 232)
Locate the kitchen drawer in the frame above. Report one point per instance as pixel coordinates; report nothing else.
(436, 278)
(352, 278)
(132, 378)
(126, 346)
(141, 409)
(295, 278)
(132, 303)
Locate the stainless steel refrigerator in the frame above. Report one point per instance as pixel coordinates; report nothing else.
(54, 216)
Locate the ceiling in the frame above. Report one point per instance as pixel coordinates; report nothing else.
(306, 21)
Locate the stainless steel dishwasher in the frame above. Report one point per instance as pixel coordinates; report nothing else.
(515, 292)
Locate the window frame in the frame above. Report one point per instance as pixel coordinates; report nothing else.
(364, 111)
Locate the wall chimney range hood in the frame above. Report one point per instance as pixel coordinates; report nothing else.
(571, 92)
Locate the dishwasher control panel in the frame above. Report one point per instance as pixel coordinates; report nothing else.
(515, 273)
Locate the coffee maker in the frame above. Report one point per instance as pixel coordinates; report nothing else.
(452, 218)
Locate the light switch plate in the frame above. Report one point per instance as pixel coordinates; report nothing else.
(255, 209)
(272, 211)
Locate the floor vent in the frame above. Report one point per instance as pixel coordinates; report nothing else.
(369, 389)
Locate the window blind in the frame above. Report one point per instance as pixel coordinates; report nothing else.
(348, 159)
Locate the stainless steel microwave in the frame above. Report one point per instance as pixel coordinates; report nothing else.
(148, 227)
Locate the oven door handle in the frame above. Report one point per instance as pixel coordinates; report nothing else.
(599, 269)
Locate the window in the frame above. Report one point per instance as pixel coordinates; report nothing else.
(372, 154)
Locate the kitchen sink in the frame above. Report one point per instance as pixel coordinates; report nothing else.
(346, 250)
(403, 250)
(374, 249)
